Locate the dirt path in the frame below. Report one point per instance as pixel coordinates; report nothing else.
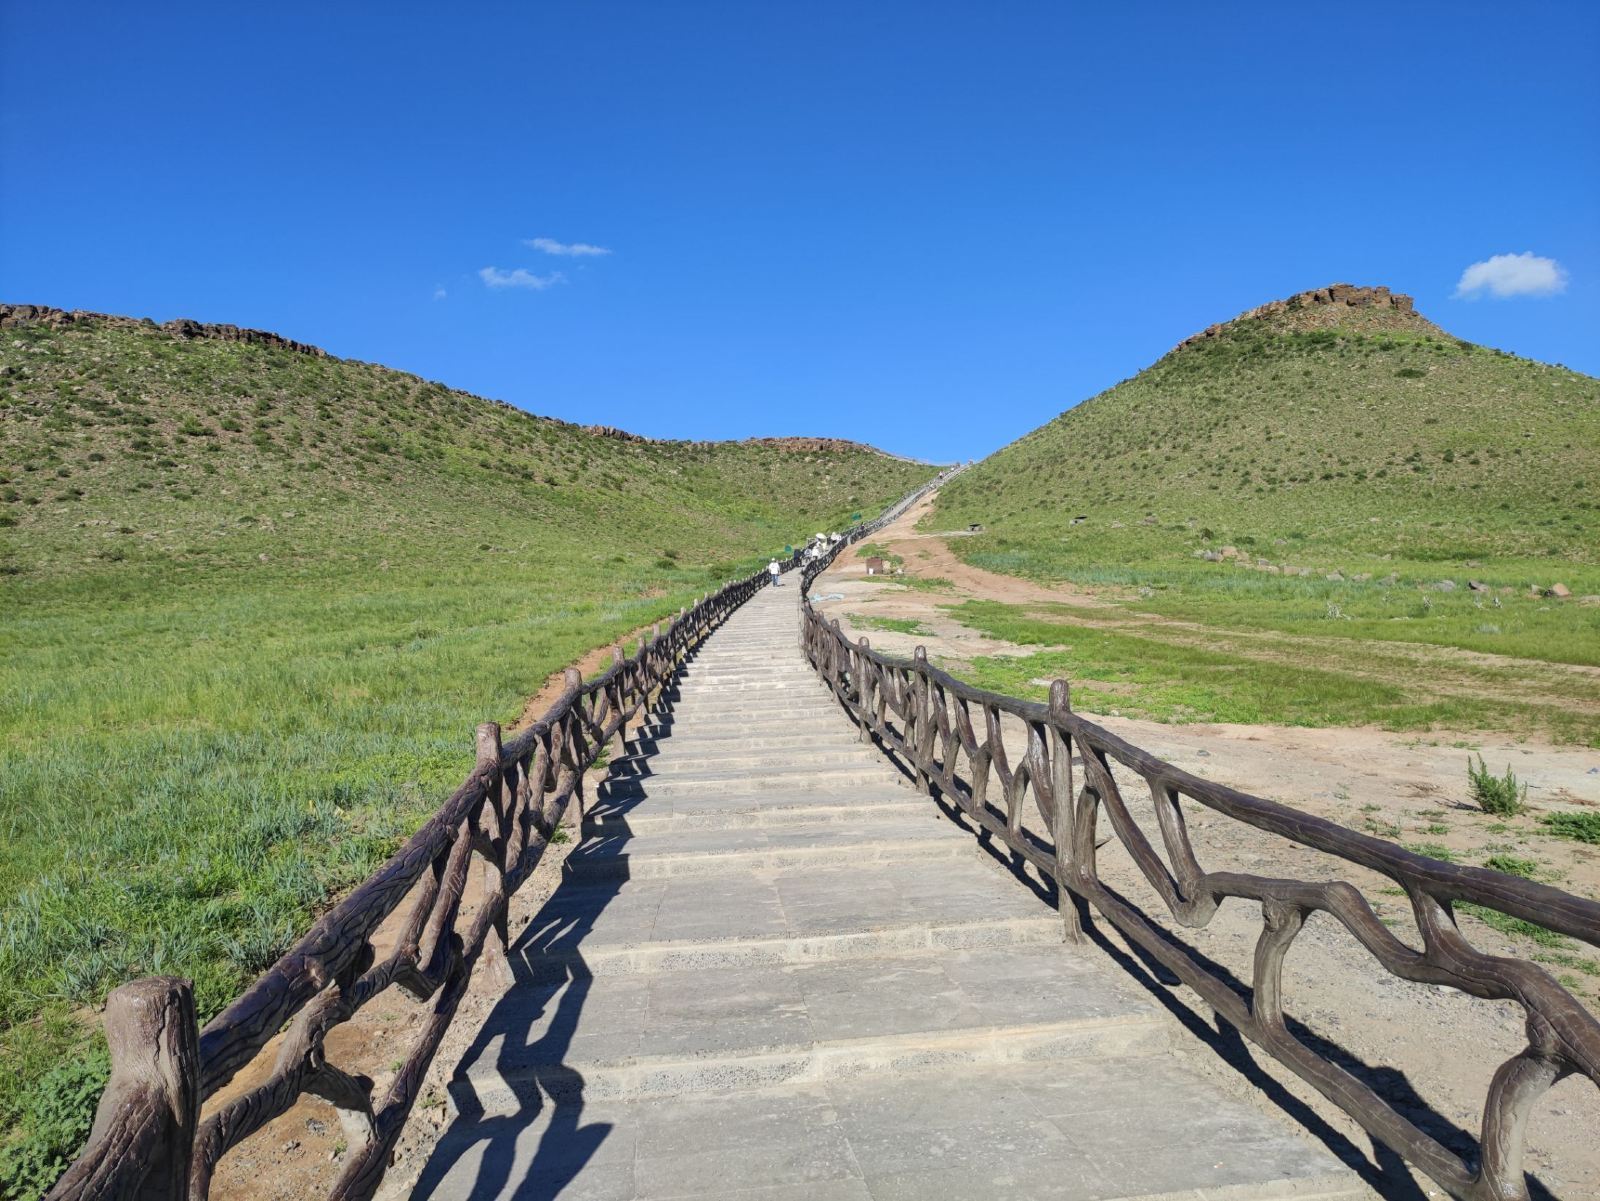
(1430, 1051)
(1452, 671)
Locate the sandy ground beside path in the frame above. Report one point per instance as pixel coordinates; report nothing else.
(1429, 1051)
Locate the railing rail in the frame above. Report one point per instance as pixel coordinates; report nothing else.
(150, 1138)
(951, 736)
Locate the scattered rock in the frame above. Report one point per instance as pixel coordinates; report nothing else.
(1560, 591)
(1390, 580)
(1229, 552)
(1477, 586)
(1362, 576)
(1334, 577)
(1445, 586)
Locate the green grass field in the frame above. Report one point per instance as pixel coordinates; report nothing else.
(1372, 481)
(1176, 673)
(254, 603)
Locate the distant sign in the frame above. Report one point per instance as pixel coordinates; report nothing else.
(788, 550)
(855, 517)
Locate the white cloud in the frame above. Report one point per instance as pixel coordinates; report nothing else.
(439, 293)
(1524, 274)
(495, 278)
(570, 250)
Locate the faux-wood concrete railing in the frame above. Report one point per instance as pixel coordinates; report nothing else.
(150, 1140)
(951, 736)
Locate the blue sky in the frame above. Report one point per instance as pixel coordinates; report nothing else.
(927, 225)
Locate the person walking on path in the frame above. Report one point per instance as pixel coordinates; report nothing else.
(775, 569)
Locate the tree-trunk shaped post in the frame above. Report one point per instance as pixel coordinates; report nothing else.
(496, 966)
(1062, 815)
(143, 1136)
(863, 691)
(572, 816)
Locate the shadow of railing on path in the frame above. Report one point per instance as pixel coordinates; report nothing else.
(549, 967)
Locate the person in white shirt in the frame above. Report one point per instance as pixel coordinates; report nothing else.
(775, 570)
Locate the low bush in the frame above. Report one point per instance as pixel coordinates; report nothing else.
(1499, 795)
(1580, 827)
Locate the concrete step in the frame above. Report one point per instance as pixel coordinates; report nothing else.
(690, 954)
(756, 730)
(1135, 1129)
(768, 811)
(733, 756)
(651, 740)
(760, 669)
(723, 711)
(669, 1033)
(652, 854)
(788, 915)
(812, 778)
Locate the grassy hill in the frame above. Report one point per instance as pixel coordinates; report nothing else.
(1334, 464)
(254, 600)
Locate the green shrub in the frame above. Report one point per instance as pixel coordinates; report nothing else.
(1580, 827)
(1499, 795)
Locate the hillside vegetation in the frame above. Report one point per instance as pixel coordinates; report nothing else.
(1333, 465)
(254, 601)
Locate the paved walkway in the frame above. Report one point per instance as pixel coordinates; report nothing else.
(775, 973)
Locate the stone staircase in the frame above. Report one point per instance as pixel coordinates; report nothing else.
(775, 972)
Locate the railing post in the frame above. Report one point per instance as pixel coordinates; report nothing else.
(1061, 819)
(143, 1136)
(919, 724)
(863, 690)
(572, 817)
(492, 872)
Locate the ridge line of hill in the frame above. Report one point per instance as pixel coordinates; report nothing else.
(188, 329)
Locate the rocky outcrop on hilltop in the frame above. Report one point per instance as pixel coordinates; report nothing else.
(1323, 308)
(181, 327)
(611, 431)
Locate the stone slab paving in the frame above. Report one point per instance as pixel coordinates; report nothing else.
(774, 971)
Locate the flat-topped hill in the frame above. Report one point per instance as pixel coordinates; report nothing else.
(1336, 420)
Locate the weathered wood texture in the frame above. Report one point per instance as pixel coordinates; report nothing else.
(949, 735)
(148, 1142)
